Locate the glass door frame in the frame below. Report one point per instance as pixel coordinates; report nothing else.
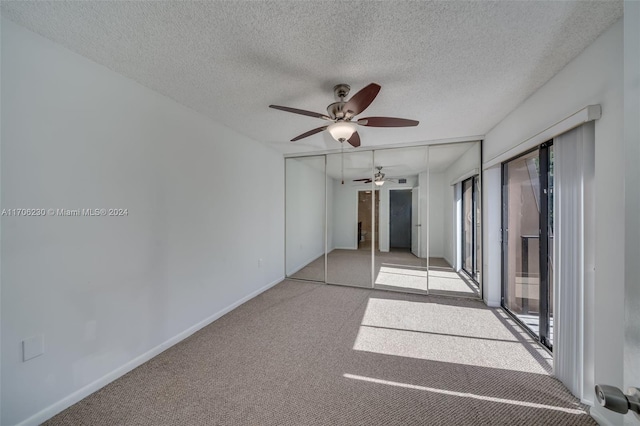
(474, 228)
(543, 247)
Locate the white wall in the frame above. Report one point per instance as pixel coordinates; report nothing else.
(632, 196)
(594, 77)
(491, 245)
(345, 214)
(204, 204)
(305, 211)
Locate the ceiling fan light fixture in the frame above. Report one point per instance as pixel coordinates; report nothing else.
(342, 130)
(379, 182)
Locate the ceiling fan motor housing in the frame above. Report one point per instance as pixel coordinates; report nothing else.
(341, 91)
(335, 110)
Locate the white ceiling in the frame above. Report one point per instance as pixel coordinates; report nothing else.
(458, 67)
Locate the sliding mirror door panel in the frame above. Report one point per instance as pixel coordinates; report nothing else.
(454, 219)
(305, 218)
(352, 233)
(400, 251)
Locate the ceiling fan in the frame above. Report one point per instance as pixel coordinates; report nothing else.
(378, 178)
(341, 113)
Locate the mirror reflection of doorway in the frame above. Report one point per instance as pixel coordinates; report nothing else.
(364, 219)
(400, 202)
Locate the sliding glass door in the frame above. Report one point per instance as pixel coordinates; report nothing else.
(527, 224)
(470, 228)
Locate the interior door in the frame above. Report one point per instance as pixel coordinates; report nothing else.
(415, 225)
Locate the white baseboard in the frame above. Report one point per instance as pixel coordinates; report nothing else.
(586, 402)
(599, 418)
(492, 303)
(87, 390)
(304, 264)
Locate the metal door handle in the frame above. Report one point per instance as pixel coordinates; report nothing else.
(614, 399)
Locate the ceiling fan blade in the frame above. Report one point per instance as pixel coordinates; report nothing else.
(362, 180)
(309, 133)
(387, 122)
(301, 111)
(354, 140)
(361, 100)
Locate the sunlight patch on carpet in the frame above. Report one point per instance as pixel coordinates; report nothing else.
(463, 394)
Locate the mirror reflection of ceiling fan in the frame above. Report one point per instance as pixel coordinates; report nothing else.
(379, 178)
(341, 113)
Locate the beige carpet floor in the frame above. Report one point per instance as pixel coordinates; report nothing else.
(394, 270)
(317, 354)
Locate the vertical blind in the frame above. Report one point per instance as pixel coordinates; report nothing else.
(573, 276)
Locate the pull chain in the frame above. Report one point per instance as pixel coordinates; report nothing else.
(342, 160)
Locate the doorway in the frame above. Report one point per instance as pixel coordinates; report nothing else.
(365, 217)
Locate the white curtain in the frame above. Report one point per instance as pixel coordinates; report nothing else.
(573, 246)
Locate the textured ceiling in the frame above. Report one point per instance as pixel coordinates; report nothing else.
(458, 67)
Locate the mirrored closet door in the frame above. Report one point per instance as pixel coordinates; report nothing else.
(400, 253)
(351, 234)
(305, 218)
(402, 219)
